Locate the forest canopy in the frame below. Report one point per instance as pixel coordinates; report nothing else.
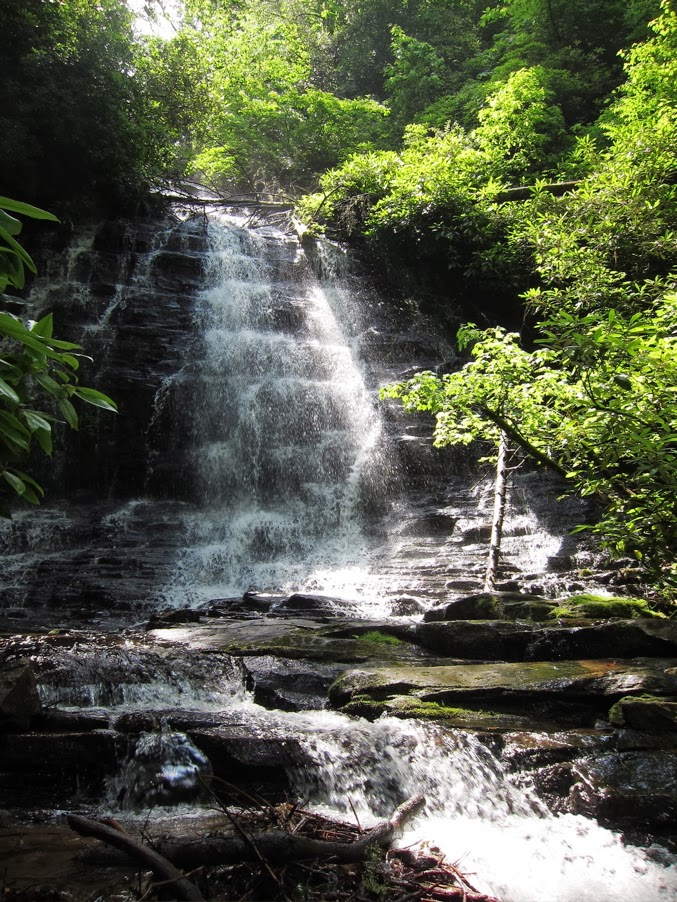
(520, 154)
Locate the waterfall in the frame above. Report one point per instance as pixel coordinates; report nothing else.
(285, 443)
(250, 451)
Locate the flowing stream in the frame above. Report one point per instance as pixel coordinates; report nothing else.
(481, 817)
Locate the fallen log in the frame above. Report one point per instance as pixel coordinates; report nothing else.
(270, 846)
(182, 888)
(278, 847)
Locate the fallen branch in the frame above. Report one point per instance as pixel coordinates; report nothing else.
(279, 847)
(181, 887)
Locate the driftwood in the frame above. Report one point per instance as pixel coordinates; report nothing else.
(278, 847)
(181, 887)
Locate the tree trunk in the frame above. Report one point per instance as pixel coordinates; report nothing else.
(500, 494)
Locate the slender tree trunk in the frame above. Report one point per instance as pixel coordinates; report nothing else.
(500, 494)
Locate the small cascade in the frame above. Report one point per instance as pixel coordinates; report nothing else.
(478, 815)
(165, 769)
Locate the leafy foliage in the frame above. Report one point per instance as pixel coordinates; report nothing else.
(37, 370)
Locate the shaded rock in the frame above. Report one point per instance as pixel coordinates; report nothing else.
(493, 606)
(637, 789)
(645, 712)
(620, 639)
(506, 641)
(489, 641)
(19, 699)
(67, 758)
(289, 685)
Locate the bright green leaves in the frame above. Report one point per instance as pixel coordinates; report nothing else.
(35, 368)
(598, 404)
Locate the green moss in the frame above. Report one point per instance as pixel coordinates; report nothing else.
(599, 607)
(379, 638)
(365, 706)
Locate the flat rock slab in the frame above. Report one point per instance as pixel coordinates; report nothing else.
(570, 681)
(347, 642)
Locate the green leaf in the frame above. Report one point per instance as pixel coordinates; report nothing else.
(18, 250)
(69, 413)
(44, 438)
(6, 391)
(16, 206)
(12, 328)
(17, 484)
(35, 420)
(43, 327)
(96, 398)
(12, 225)
(50, 385)
(11, 426)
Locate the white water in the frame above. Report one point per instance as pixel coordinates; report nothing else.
(285, 436)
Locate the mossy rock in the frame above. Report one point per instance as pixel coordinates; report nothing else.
(645, 712)
(599, 607)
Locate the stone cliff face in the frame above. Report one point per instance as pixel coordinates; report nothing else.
(133, 496)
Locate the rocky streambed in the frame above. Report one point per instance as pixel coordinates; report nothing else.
(543, 721)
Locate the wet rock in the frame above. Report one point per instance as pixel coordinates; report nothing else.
(288, 684)
(645, 712)
(19, 699)
(247, 761)
(493, 606)
(406, 606)
(165, 768)
(301, 603)
(637, 789)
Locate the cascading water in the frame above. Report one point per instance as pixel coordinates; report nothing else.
(478, 816)
(286, 444)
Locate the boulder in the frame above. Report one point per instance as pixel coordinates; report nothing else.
(645, 712)
(287, 684)
(494, 606)
(630, 789)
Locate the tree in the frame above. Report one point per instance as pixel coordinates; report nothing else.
(269, 126)
(37, 370)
